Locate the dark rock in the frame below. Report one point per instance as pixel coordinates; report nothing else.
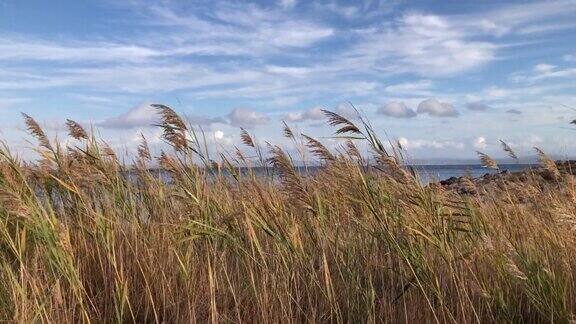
(449, 181)
(505, 180)
(568, 166)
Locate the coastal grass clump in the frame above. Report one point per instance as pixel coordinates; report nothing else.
(189, 237)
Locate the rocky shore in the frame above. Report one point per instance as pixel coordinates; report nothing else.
(510, 181)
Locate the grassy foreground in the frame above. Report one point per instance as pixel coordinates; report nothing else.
(80, 241)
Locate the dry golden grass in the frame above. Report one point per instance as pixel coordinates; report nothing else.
(80, 241)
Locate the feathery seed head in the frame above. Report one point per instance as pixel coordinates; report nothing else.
(487, 161)
(170, 117)
(36, 131)
(246, 138)
(318, 149)
(75, 130)
(547, 163)
(287, 131)
(508, 150)
(290, 180)
(174, 127)
(347, 126)
(352, 150)
(143, 149)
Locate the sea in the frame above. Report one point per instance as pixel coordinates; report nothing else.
(438, 172)
(427, 173)
(431, 173)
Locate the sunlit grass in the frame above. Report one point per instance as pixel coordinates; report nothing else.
(81, 241)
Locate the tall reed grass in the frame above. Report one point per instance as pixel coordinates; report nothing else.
(80, 241)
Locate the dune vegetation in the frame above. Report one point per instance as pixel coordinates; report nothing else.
(86, 238)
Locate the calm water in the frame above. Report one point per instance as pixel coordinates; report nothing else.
(441, 172)
(427, 173)
(430, 173)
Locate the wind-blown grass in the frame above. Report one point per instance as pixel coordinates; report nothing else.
(82, 242)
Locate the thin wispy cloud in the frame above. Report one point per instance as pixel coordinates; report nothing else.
(283, 60)
(13, 102)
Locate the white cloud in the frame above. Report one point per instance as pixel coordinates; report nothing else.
(341, 10)
(545, 28)
(418, 144)
(557, 73)
(362, 87)
(436, 108)
(420, 87)
(92, 99)
(143, 115)
(31, 49)
(243, 117)
(287, 53)
(159, 61)
(543, 72)
(11, 102)
(396, 109)
(243, 26)
(135, 78)
(543, 68)
(480, 143)
(524, 18)
(403, 141)
(288, 70)
(295, 35)
(424, 44)
(283, 101)
(569, 57)
(436, 45)
(201, 120)
(288, 4)
(345, 109)
(218, 134)
(311, 114)
(220, 137)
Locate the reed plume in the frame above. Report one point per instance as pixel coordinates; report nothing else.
(109, 151)
(167, 162)
(37, 131)
(144, 149)
(508, 150)
(75, 130)
(85, 241)
(468, 185)
(547, 163)
(170, 117)
(487, 161)
(246, 138)
(346, 126)
(352, 150)
(287, 131)
(290, 180)
(390, 165)
(318, 149)
(174, 127)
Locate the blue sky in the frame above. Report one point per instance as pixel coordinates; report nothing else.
(446, 78)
